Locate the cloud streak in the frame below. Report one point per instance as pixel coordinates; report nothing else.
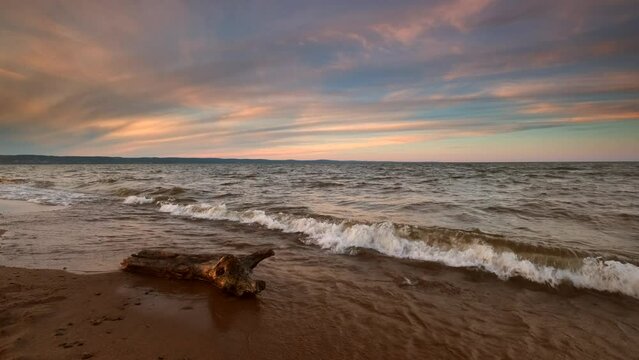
(411, 80)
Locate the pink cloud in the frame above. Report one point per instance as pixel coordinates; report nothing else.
(413, 24)
(624, 81)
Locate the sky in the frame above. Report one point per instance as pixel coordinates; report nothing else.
(453, 80)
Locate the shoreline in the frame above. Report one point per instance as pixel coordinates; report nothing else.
(54, 314)
(317, 304)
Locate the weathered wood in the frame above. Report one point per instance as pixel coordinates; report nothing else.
(228, 272)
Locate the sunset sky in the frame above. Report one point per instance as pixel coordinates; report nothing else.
(468, 80)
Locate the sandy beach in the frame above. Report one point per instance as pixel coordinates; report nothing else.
(53, 314)
(50, 314)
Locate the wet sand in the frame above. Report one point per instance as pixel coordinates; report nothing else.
(52, 314)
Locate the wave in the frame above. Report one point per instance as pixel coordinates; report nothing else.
(244, 176)
(138, 200)
(175, 190)
(391, 240)
(226, 195)
(36, 183)
(40, 195)
(45, 184)
(153, 195)
(126, 192)
(164, 191)
(4, 180)
(323, 184)
(229, 183)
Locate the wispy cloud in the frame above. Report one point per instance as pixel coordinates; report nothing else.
(312, 79)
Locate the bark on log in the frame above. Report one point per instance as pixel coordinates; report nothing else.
(228, 272)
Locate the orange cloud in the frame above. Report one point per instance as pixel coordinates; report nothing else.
(584, 112)
(592, 83)
(315, 150)
(11, 74)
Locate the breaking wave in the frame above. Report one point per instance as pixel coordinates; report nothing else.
(138, 200)
(389, 239)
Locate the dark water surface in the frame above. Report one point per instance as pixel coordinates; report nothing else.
(537, 258)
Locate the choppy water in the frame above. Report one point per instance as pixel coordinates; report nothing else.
(574, 223)
(563, 223)
(548, 223)
(379, 260)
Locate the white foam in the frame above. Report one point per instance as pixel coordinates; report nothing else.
(138, 200)
(39, 195)
(594, 273)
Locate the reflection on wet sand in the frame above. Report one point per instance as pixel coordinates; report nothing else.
(196, 305)
(361, 308)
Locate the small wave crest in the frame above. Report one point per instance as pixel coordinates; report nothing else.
(385, 238)
(138, 200)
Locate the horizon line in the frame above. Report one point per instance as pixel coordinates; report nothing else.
(195, 159)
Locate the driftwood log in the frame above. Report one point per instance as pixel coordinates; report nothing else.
(228, 272)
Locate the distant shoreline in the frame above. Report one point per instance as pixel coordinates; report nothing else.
(54, 160)
(87, 160)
